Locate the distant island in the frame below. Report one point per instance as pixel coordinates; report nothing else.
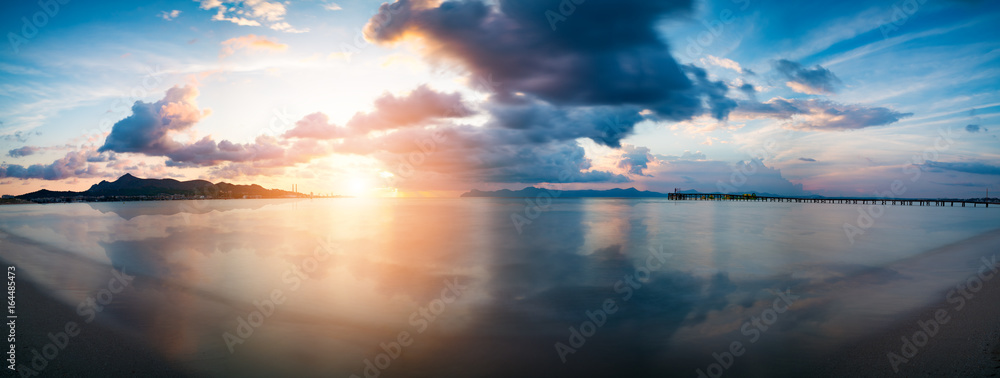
(533, 192)
(131, 188)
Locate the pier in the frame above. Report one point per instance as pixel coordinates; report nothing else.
(850, 201)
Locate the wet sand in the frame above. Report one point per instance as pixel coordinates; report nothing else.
(97, 351)
(968, 345)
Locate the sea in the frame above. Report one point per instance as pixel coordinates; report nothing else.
(493, 287)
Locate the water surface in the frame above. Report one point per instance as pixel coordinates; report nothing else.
(473, 296)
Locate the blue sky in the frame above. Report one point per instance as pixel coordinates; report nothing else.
(421, 97)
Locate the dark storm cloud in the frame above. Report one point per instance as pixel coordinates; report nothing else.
(718, 104)
(592, 76)
(635, 159)
(74, 164)
(596, 76)
(774, 108)
(150, 128)
(817, 80)
(820, 115)
(553, 163)
(147, 130)
(23, 151)
(608, 53)
(479, 154)
(541, 122)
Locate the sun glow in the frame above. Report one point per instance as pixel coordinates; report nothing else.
(358, 186)
(370, 185)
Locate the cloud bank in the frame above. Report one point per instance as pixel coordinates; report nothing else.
(819, 115)
(74, 164)
(624, 62)
(251, 13)
(817, 80)
(967, 167)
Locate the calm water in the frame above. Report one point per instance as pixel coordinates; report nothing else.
(449, 287)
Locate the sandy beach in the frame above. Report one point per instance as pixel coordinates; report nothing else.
(968, 345)
(97, 351)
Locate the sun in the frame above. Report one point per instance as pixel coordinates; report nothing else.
(359, 186)
(371, 184)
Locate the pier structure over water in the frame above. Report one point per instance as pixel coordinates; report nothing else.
(853, 201)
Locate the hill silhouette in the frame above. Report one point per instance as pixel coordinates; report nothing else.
(131, 186)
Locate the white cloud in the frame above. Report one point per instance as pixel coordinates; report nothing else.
(722, 62)
(802, 88)
(285, 27)
(251, 13)
(251, 42)
(171, 15)
(236, 20)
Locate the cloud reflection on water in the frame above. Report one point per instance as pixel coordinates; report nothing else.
(198, 270)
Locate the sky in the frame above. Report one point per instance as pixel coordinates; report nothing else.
(416, 98)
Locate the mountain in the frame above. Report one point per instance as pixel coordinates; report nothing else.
(131, 186)
(45, 193)
(759, 194)
(531, 192)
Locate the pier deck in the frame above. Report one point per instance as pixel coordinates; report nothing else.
(853, 201)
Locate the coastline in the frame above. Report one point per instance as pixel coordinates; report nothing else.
(96, 350)
(967, 345)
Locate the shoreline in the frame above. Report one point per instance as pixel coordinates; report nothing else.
(967, 344)
(26, 202)
(97, 350)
